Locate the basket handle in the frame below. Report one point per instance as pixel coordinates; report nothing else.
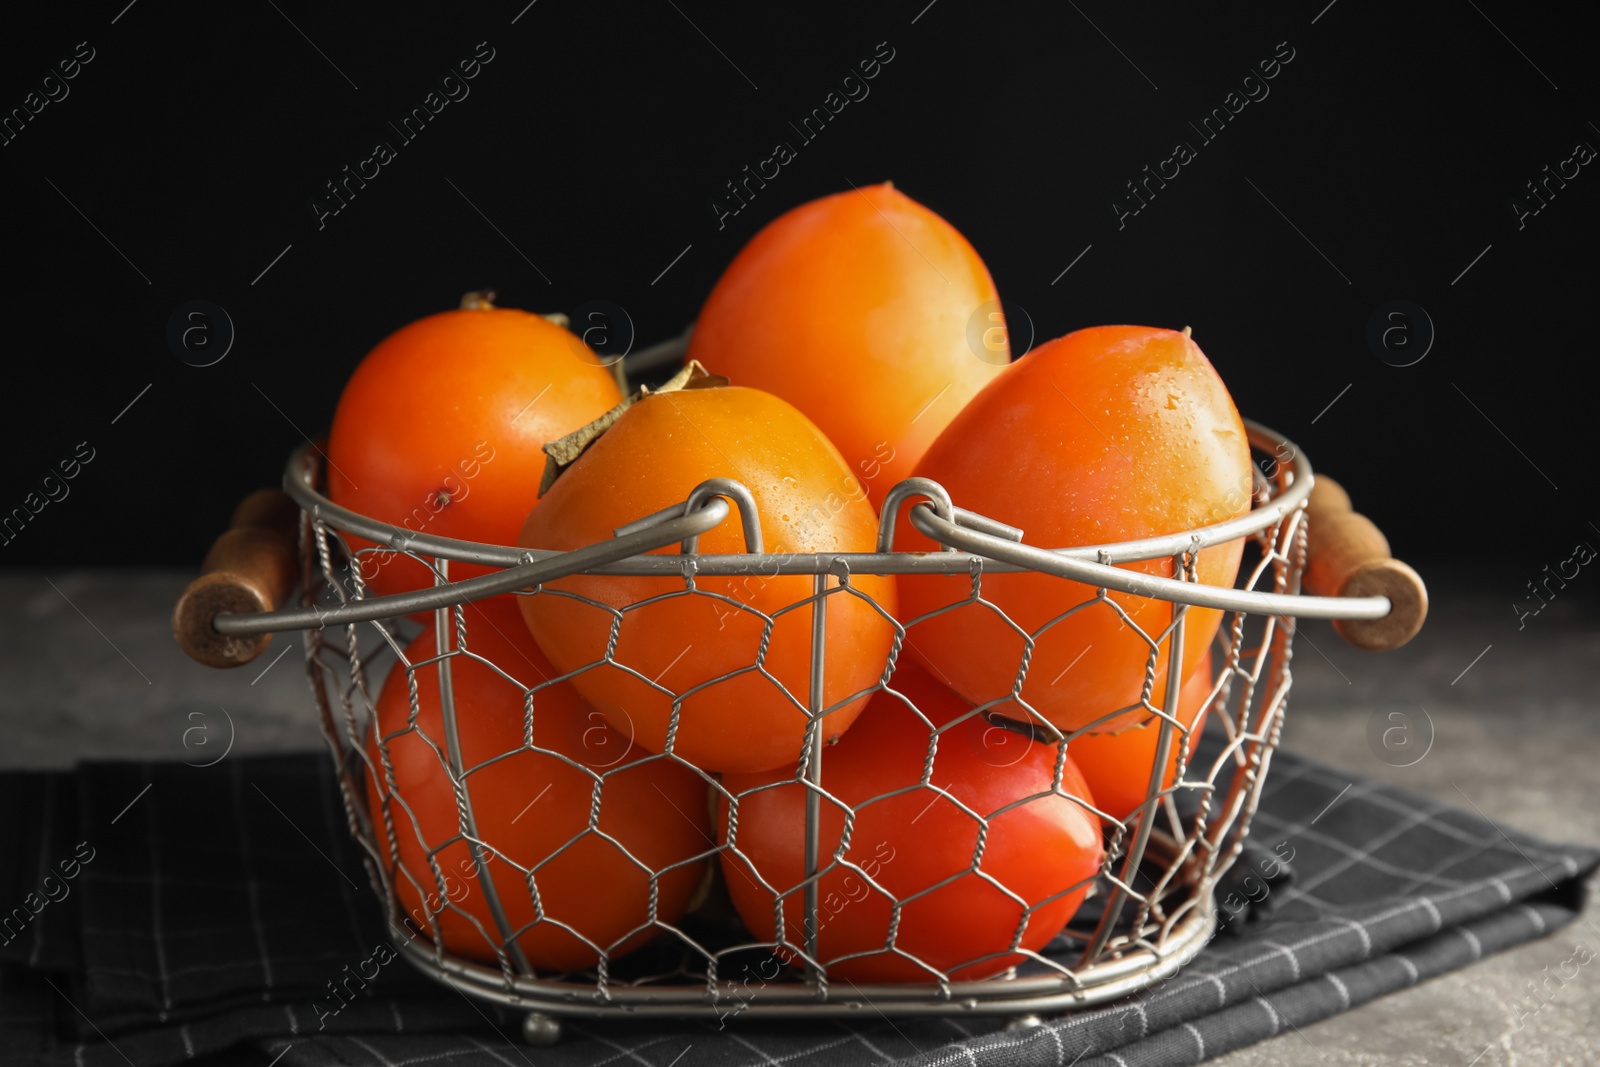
(1347, 555)
(251, 568)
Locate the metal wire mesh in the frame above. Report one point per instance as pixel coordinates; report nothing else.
(1148, 908)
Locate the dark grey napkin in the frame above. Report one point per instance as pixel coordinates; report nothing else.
(219, 904)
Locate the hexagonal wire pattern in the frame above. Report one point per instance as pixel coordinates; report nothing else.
(1151, 908)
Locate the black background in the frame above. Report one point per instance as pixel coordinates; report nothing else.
(1395, 141)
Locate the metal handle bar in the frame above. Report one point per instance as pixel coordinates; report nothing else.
(1252, 522)
(1026, 557)
(528, 573)
(963, 534)
(749, 517)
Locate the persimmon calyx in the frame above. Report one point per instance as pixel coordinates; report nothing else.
(564, 451)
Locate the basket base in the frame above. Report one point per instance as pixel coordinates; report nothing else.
(1023, 1000)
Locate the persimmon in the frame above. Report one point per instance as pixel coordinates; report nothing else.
(732, 658)
(857, 309)
(915, 838)
(529, 802)
(440, 430)
(1118, 766)
(1107, 434)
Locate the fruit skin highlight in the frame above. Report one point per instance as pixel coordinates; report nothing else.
(440, 430)
(857, 309)
(745, 719)
(1108, 434)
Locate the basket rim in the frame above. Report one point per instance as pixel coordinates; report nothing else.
(989, 546)
(302, 470)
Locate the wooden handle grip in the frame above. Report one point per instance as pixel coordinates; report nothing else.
(252, 567)
(1347, 555)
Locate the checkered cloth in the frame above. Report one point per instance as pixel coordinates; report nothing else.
(164, 913)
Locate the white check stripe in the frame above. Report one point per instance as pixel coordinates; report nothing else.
(1344, 992)
(1495, 842)
(1294, 961)
(1406, 805)
(1364, 856)
(452, 1054)
(333, 959)
(200, 932)
(252, 886)
(768, 1060)
(158, 944)
(1366, 938)
(497, 1055)
(1216, 977)
(379, 1056)
(883, 1057)
(339, 839)
(1272, 1013)
(1285, 776)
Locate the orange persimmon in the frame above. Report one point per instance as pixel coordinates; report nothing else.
(440, 430)
(731, 661)
(869, 313)
(534, 806)
(1108, 434)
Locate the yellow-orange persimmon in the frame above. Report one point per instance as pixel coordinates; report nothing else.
(869, 313)
(734, 658)
(1107, 434)
(441, 427)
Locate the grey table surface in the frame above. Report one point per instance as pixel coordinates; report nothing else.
(88, 670)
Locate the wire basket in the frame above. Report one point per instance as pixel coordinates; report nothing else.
(1149, 909)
